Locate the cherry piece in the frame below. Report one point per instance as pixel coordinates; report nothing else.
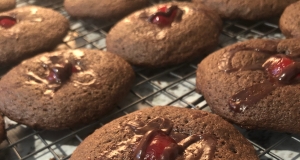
(165, 16)
(161, 20)
(52, 77)
(60, 74)
(7, 21)
(157, 146)
(162, 9)
(275, 65)
(282, 69)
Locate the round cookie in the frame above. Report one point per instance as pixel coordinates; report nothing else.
(247, 9)
(7, 5)
(64, 89)
(165, 34)
(254, 84)
(28, 30)
(289, 22)
(197, 135)
(104, 9)
(2, 129)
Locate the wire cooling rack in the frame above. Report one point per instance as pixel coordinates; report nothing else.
(167, 86)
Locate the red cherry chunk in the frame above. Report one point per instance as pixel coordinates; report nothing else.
(61, 74)
(7, 21)
(282, 69)
(159, 142)
(161, 20)
(52, 77)
(162, 9)
(278, 64)
(165, 16)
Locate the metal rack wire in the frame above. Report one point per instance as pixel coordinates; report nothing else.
(166, 86)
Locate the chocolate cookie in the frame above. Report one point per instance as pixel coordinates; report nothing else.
(165, 34)
(64, 89)
(104, 9)
(27, 30)
(290, 21)
(247, 9)
(7, 5)
(2, 129)
(168, 132)
(254, 84)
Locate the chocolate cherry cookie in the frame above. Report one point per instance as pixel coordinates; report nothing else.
(165, 34)
(27, 30)
(290, 21)
(64, 89)
(7, 5)
(104, 9)
(168, 133)
(254, 84)
(247, 9)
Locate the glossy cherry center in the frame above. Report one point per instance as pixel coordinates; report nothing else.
(161, 20)
(282, 68)
(156, 148)
(164, 16)
(61, 73)
(277, 64)
(7, 21)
